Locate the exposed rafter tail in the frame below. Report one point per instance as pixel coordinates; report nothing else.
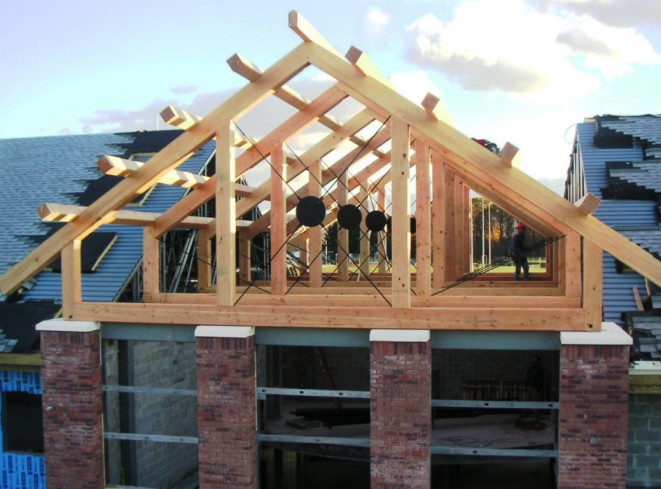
(436, 109)
(588, 204)
(366, 66)
(305, 31)
(508, 155)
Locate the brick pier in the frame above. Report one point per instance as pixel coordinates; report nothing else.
(226, 407)
(400, 389)
(72, 404)
(594, 406)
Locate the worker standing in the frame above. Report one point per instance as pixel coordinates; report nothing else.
(519, 251)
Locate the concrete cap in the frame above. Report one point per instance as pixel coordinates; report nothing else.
(68, 326)
(610, 334)
(401, 335)
(224, 331)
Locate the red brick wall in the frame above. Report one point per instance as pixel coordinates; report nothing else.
(72, 410)
(400, 385)
(226, 412)
(594, 403)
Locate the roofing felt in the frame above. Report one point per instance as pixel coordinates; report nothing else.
(17, 324)
(644, 127)
(643, 174)
(59, 169)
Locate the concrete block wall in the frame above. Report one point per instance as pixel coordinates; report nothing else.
(153, 364)
(644, 460)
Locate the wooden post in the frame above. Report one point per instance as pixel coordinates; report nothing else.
(450, 222)
(151, 255)
(383, 245)
(438, 222)
(460, 239)
(225, 215)
(245, 259)
(316, 234)
(364, 238)
(278, 222)
(423, 220)
(204, 259)
(72, 287)
(343, 234)
(592, 285)
(573, 265)
(401, 232)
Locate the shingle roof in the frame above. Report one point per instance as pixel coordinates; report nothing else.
(59, 169)
(634, 175)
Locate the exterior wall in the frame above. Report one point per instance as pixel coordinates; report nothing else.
(20, 470)
(644, 467)
(226, 407)
(72, 407)
(400, 432)
(594, 386)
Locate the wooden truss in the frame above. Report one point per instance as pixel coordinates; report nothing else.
(447, 165)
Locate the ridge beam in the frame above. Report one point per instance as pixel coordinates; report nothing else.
(307, 33)
(120, 167)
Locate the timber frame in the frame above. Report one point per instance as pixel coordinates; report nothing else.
(447, 165)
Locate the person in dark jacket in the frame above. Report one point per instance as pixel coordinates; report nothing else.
(519, 251)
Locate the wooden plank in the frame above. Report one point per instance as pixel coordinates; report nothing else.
(423, 219)
(383, 251)
(278, 223)
(401, 225)
(225, 214)
(511, 184)
(588, 204)
(572, 264)
(72, 282)
(151, 253)
(165, 160)
(433, 318)
(292, 126)
(593, 285)
(438, 214)
(316, 234)
(450, 226)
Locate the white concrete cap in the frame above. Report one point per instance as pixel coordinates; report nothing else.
(68, 326)
(224, 331)
(400, 335)
(610, 334)
(645, 367)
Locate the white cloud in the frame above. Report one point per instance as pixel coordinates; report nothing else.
(377, 21)
(614, 12)
(414, 85)
(511, 47)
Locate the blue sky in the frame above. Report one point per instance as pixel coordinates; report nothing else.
(522, 71)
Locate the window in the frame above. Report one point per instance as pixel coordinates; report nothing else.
(22, 423)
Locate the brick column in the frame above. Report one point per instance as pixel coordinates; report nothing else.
(72, 404)
(400, 407)
(226, 407)
(594, 404)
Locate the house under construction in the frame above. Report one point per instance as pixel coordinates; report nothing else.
(373, 359)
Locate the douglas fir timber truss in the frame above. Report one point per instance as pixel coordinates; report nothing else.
(447, 165)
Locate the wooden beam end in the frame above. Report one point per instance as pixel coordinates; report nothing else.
(241, 66)
(508, 154)
(588, 204)
(436, 109)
